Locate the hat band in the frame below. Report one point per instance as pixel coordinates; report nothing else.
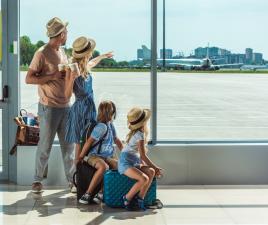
(138, 120)
(85, 49)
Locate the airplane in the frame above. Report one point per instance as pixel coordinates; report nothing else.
(254, 67)
(205, 64)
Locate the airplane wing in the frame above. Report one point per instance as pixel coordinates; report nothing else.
(254, 67)
(234, 65)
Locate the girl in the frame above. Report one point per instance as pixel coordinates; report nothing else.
(83, 111)
(102, 159)
(134, 162)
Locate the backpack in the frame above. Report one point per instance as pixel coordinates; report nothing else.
(84, 172)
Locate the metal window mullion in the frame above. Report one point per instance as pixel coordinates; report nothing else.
(154, 70)
(13, 80)
(3, 107)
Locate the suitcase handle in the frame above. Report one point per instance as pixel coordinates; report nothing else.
(74, 179)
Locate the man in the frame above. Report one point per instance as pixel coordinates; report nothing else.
(53, 103)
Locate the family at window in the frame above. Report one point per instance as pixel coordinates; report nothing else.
(58, 78)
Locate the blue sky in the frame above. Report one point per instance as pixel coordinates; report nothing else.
(124, 25)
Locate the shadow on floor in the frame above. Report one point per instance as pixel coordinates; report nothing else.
(49, 205)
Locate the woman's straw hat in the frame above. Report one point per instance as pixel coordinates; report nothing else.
(137, 117)
(83, 46)
(55, 26)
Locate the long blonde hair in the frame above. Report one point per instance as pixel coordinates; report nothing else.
(82, 64)
(132, 132)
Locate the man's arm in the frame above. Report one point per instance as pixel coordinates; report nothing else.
(69, 82)
(33, 77)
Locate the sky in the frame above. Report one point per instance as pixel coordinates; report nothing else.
(124, 25)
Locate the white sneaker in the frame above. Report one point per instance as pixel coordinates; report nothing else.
(73, 188)
(85, 199)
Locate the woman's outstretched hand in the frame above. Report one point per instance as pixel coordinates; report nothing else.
(108, 55)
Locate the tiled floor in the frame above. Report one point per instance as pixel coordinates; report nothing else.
(182, 205)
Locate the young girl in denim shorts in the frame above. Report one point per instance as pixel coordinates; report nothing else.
(134, 162)
(102, 159)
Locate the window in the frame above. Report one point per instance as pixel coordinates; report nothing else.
(196, 103)
(120, 26)
(212, 87)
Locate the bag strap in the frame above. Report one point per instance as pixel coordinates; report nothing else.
(23, 111)
(99, 142)
(74, 178)
(13, 150)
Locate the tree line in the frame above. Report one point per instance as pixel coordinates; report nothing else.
(27, 50)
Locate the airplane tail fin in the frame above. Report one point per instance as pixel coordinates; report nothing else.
(208, 51)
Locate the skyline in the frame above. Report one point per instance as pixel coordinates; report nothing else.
(123, 26)
(204, 47)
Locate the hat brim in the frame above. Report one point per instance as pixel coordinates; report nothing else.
(141, 123)
(90, 50)
(61, 30)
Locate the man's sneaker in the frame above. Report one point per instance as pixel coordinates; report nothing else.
(85, 199)
(73, 188)
(37, 187)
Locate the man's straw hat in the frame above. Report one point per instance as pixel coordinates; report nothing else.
(55, 26)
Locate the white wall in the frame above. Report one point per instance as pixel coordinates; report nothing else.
(213, 164)
(183, 164)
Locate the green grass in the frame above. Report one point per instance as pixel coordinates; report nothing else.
(25, 68)
(119, 70)
(221, 71)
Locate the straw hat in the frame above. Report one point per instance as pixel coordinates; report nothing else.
(55, 26)
(83, 46)
(137, 117)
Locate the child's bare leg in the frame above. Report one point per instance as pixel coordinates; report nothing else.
(150, 172)
(112, 162)
(101, 167)
(142, 179)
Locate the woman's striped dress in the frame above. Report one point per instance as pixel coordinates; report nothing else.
(82, 111)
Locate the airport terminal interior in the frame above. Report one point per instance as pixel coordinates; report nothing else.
(201, 68)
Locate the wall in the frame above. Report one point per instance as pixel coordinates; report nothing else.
(183, 164)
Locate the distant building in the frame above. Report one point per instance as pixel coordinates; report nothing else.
(144, 53)
(200, 52)
(235, 58)
(257, 58)
(249, 55)
(224, 52)
(213, 52)
(168, 53)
